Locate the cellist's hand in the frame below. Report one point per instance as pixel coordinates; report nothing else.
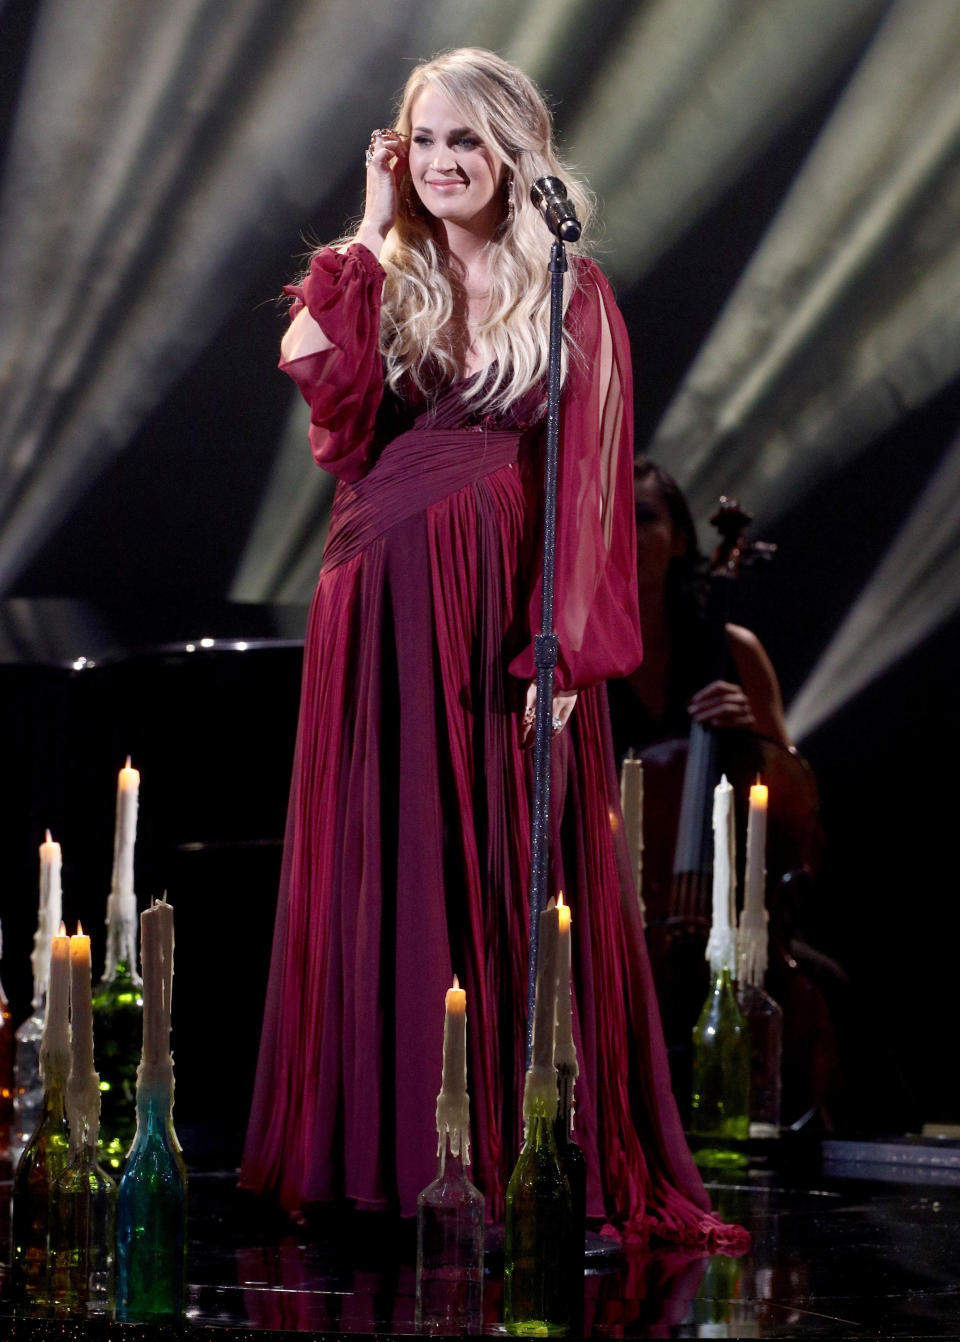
(563, 706)
(722, 704)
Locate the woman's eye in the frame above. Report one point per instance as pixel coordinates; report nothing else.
(422, 139)
(468, 142)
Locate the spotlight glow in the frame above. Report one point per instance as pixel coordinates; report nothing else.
(913, 590)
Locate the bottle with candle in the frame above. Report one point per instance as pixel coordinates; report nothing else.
(763, 1015)
(118, 1000)
(83, 1198)
(539, 1230)
(720, 1092)
(152, 1198)
(449, 1297)
(764, 1018)
(539, 1216)
(152, 1214)
(571, 1156)
(720, 1098)
(43, 1159)
(27, 1084)
(46, 1153)
(83, 1206)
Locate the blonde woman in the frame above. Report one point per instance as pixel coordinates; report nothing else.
(421, 346)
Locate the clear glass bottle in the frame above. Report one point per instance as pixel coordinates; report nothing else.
(764, 1019)
(720, 1095)
(539, 1227)
(152, 1215)
(44, 1158)
(118, 1024)
(83, 1206)
(27, 1084)
(450, 1251)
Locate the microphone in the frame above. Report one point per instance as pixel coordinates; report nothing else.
(550, 197)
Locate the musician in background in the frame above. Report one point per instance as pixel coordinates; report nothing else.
(671, 687)
(651, 715)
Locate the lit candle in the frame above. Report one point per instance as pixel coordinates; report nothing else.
(721, 944)
(81, 1010)
(125, 830)
(55, 1046)
(564, 1050)
(49, 913)
(752, 947)
(755, 881)
(122, 902)
(545, 1003)
(631, 804)
(454, 1075)
(453, 1103)
(83, 1087)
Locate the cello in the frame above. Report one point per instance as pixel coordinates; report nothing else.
(679, 779)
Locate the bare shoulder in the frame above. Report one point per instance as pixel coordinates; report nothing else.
(744, 643)
(759, 681)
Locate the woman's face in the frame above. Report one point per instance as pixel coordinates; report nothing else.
(457, 177)
(658, 540)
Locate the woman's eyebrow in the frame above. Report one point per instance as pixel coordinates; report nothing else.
(459, 130)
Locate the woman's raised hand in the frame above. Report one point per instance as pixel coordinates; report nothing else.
(386, 158)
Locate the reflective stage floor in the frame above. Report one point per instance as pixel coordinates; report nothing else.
(840, 1249)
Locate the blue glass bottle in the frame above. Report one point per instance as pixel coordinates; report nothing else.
(152, 1214)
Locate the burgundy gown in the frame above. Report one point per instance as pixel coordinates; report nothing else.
(407, 850)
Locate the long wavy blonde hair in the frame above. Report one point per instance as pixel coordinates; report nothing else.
(418, 331)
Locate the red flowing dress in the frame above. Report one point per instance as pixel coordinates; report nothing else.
(408, 841)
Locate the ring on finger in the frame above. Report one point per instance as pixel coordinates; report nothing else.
(557, 724)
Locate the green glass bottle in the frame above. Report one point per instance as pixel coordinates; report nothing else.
(574, 1166)
(83, 1206)
(118, 1022)
(539, 1229)
(152, 1215)
(720, 1099)
(44, 1158)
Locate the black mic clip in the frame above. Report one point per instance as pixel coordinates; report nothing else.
(550, 197)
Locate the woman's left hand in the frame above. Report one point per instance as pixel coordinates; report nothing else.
(563, 705)
(722, 704)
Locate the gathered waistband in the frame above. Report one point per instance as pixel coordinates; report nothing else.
(415, 470)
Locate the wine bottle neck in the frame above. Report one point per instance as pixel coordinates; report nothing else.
(448, 1164)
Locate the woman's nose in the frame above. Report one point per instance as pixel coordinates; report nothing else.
(443, 161)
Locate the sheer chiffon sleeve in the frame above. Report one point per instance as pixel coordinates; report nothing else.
(596, 616)
(343, 386)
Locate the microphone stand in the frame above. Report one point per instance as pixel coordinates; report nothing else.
(545, 643)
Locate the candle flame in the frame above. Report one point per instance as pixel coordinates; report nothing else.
(79, 928)
(48, 839)
(456, 983)
(758, 794)
(63, 929)
(127, 765)
(560, 900)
